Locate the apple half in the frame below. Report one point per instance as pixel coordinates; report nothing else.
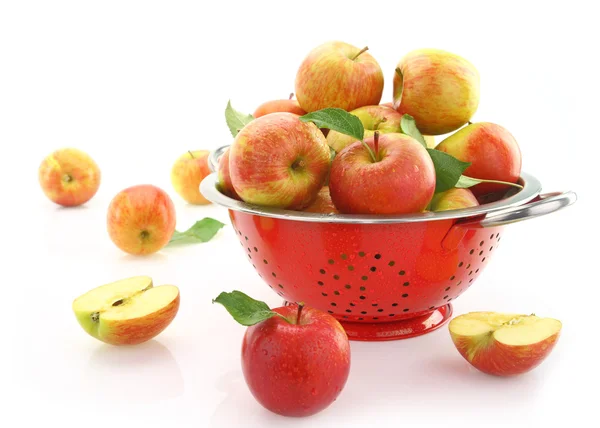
(128, 311)
(504, 344)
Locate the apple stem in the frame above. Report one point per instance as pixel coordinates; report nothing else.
(191, 154)
(508, 183)
(67, 178)
(300, 306)
(366, 48)
(369, 150)
(376, 144)
(291, 96)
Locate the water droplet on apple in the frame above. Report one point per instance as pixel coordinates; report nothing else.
(313, 391)
(265, 352)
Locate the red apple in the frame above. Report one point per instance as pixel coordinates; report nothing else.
(493, 152)
(279, 161)
(141, 219)
(225, 185)
(401, 180)
(373, 118)
(438, 88)
(323, 203)
(504, 344)
(187, 173)
(276, 106)
(453, 199)
(337, 74)
(69, 177)
(296, 366)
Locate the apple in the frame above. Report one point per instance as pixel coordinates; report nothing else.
(400, 180)
(504, 344)
(141, 219)
(323, 203)
(128, 311)
(373, 118)
(274, 106)
(492, 151)
(430, 141)
(224, 177)
(337, 74)
(279, 161)
(438, 88)
(69, 177)
(187, 173)
(453, 199)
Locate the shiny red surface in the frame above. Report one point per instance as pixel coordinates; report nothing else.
(367, 273)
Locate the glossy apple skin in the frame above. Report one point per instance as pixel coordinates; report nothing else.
(328, 77)
(323, 203)
(279, 161)
(187, 173)
(296, 369)
(403, 181)
(438, 88)
(493, 152)
(277, 106)
(69, 177)
(380, 118)
(453, 199)
(141, 219)
(224, 177)
(498, 359)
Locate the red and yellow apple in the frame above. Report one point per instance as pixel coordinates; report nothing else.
(453, 199)
(401, 180)
(323, 203)
(276, 106)
(187, 173)
(438, 88)
(373, 118)
(504, 344)
(296, 365)
(128, 311)
(337, 74)
(279, 161)
(141, 219)
(69, 177)
(224, 177)
(492, 151)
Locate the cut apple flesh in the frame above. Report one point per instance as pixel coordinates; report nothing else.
(508, 329)
(127, 311)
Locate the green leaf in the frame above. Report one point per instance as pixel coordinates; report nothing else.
(338, 120)
(243, 308)
(466, 182)
(202, 231)
(409, 127)
(236, 120)
(448, 169)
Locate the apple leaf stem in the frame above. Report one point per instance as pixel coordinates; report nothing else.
(363, 50)
(291, 96)
(191, 154)
(465, 181)
(244, 309)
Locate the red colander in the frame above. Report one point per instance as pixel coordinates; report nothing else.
(382, 277)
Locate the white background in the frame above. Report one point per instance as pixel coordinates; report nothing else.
(136, 84)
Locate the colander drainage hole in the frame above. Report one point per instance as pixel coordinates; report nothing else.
(337, 293)
(352, 304)
(361, 253)
(483, 260)
(405, 295)
(481, 244)
(373, 269)
(322, 271)
(452, 278)
(330, 261)
(472, 251)
(406, 284)
(394, 304)
(392, 315)
(363, 288)
(447, 288)
(405, 310)
(364, 277)
(363, 312)
(379, 310)
(336, 277)
(431, 308)
(377, 256)
(280, 286)
(348, 286)
(274, 274)
(481, 252)
(375, 318)
(349, 311)
(491, 248)
(255, 250)
(497, 235)
(445, 297)
(469, 265)
(460, 264)
(362, 297)
(324, 294)
(402, 272)
(330, 312)
(350, 267)
(477, 270)
(333, 304)
(343, 256)
(249, 250)
(265, 261)
(374, 304)
(392, 263)
(320, 283)
(246, 238)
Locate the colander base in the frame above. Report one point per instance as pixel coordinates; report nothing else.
(396, 330)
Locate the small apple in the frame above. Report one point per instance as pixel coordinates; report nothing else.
(295, 359)
(438, 88)
(187, 174)
(274, 106)
(337, 74)
(69, 177)
(279, 161)
(323, 203)
(493, 152)
(453, 199)
(401, 178)
(373, 118)
(127, 312)
(504, 344)
(141, 219)
(224, 177)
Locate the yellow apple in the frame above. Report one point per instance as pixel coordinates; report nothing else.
(128, 311)
(187, 173)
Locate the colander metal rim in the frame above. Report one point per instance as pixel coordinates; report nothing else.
(531, 188)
